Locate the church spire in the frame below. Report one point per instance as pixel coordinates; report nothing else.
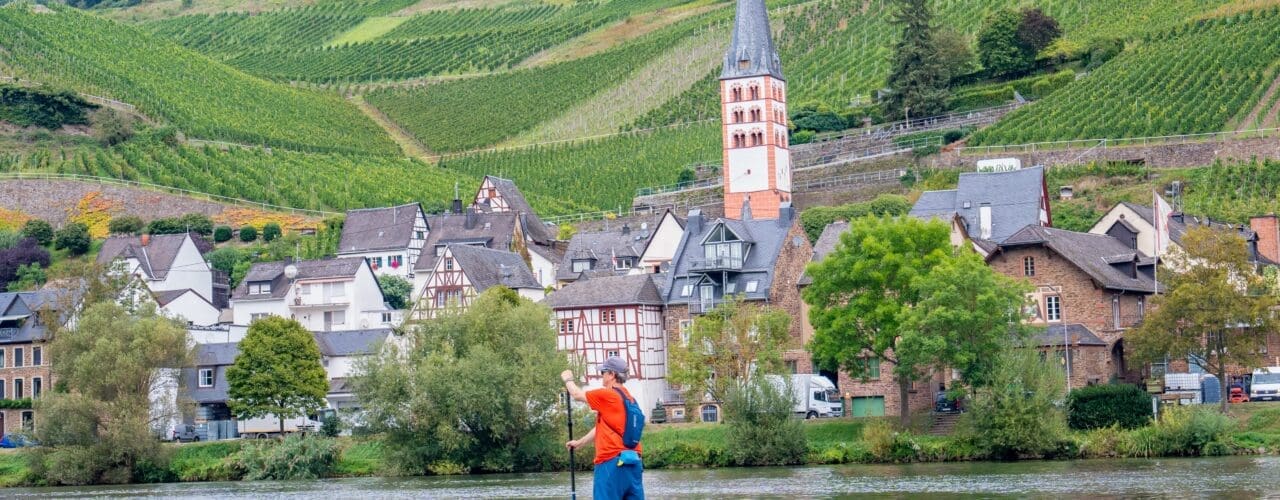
(751, 53)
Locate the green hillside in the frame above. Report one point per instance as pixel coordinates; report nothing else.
(203, 98)
(1160, 86)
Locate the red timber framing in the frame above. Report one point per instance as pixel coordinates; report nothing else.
(489, 193)
(631, 331)
(448, 286)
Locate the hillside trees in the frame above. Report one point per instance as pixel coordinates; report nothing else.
(917, 78)
(277, 372)
(1009, 40)
(396, 290)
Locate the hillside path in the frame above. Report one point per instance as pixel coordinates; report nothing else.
(1249, 122)
(408, 144)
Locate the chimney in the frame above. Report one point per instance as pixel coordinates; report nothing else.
(457, 205)
(786, 213)
(146, 239)
(694, 222)
(626, 229)
(1268, 229)
(472, 218)
(984, 221)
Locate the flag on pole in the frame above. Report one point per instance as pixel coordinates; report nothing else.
(1163, 212)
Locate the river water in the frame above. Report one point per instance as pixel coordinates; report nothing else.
(1232, 477)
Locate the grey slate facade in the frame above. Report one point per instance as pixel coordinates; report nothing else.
(1014, 199)
(751, 52)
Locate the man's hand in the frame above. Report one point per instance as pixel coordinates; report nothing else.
(566, 375)
(573, 445)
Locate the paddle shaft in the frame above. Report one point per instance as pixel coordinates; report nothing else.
(573, 480)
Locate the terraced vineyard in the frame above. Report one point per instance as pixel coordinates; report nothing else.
(1234, 191)
(1160, 87)
(201, 97)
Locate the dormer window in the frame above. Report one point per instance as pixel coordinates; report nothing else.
(581, 265)
(744, 64)
(752, 286)
(723, 249)
(259, 287)
(623, 263)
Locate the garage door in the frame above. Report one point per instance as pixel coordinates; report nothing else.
(868, 406)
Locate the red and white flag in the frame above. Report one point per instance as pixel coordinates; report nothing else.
(1163, 212)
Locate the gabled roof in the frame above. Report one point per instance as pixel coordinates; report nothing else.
(1076, 333)
(221, 354)
(1178, 228)
(533, 227)
(1095, 254)
(19, 314)
(156, 257)
(491, 230)
(487, 268)
(163, 298)
(340, 267)
(351, 343)
(767, 237)
(374, 229)
(602, 247)
(632, 289)
(825, 245)
(752, 42)
(1015, 198)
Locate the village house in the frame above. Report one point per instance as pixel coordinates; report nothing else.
(323, 295)
(463, 272)
(501, 196)
(602, 317)
(1134, 225)
(168, 264)
(391, 239)
(206, 385)
(493, 230)
(988, 207)
(339, 352)
(24, 362)
(639, 244)
(1086, 287)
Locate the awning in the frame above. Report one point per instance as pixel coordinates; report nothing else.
(14, 317)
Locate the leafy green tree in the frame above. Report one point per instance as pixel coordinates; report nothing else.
(270, 232)
(966, 314)
(396, 290)
(74, 238)
(166, 225)
(196, 223)
(1018, 413)
(1215, 310)
(30, 277)
(239, 271)
(225, 259)
(686, 176)
(917, 78)
(816, 219)
(1037, 30)
(473, 390)
(954, 52)
(735, 341)
(111, 127)
(104, 424)
(40, 230)
(125, 225)
(864, 291)
(221, 234)
(999, 49)
(248, 234)
(277, 372)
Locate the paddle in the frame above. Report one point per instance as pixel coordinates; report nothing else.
(573, 481)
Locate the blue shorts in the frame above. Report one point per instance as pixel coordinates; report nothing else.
(613, 482)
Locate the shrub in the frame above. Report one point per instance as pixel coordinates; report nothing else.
(1181, 431)
(166, 225)
(214, 461)
(10, 239)
(887, 444)
(803, 136)
(111, 127)
(331, 426)
(25, 253)
(760, 428)
(1123, 405)
(125, 224)
(29, 277)
(221, 234)
(270, 232)
(196, 223)
(296, 457)
(1017, 415)
(225, 259)
(248, 234)
(40, 230)
(74, 238)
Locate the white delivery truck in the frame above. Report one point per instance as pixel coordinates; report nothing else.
(814, 395)
(1265, 384)
(269, 426)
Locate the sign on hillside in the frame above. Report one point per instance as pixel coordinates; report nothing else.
(1000, 165)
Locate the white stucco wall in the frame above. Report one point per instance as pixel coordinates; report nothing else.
(193, 309)
(543, 269)
(189, 270)
(662, 247)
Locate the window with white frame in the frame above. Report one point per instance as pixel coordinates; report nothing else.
(581, 265)
(375, 262)
(686, 291)
(1053, 308)
(685, 325)
(336, 289)
(395, 261)
(206, 377)
(730, 288)
(1029, 266)
(305, 288)
(257, 316)
(611, 354)
(752, 286)
(259, 287)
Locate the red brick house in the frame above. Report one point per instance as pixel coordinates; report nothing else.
(24, 361)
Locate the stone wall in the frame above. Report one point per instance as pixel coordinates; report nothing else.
(1164, 155)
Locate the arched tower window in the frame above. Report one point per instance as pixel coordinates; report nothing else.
(755, 92)
(736, 92)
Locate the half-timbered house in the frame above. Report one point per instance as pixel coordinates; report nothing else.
(390, 238)
(465, 271)
(616, 316)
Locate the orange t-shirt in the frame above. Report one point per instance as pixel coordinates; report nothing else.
(611, 417)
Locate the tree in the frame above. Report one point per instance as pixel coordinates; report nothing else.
(966, 315)
(248, 234)
(270, 232)
(1037, 30)
(196, 223)
(1019, 412)
(472, 390)
(40, 230)
(953, 52)
(861, 294)
(111, 127)
(125, 225)
(105, 418)
(29, 277)
(999, 49)
(396, 290)
(166, 225)
(1214, 310)
(74, 238)
(735, 341)
(225, 259)
(25, 253)
(917, 78)
(221, 234)
(277, 372)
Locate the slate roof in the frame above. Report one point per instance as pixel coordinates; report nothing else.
(374, 229)
(752, 42)
(22, 310)
(218, 357)
(632, 289)
(1178, 228)
(163, 298)
(350, 343)
(1102, 257)
(602, 247)
(1077, 333)
(825, 245)
(341, 267)
(533, 227)
(767, 237)
(486, 268)
(492, 230)
(1015, 198)
(156, 257)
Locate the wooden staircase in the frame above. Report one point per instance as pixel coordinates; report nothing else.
(944, 423)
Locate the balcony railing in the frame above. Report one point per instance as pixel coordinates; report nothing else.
(8, 333)
(717, 264)
(320, 301)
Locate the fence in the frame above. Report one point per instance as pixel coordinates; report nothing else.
(877, 177)
(96, 99)
(1132, 141)
(166, 189)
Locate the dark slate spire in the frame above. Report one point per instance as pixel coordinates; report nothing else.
(751, 53)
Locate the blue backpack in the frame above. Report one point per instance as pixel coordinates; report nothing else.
(634, 424)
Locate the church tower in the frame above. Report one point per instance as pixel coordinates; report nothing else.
(753, 97)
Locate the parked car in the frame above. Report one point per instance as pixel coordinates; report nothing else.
(184, 433)
(16, 441)
(1237, 394)
(942, 403)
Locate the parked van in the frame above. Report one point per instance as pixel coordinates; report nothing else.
(1266, 384)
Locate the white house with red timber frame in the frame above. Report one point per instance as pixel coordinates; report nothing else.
(465, 271)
